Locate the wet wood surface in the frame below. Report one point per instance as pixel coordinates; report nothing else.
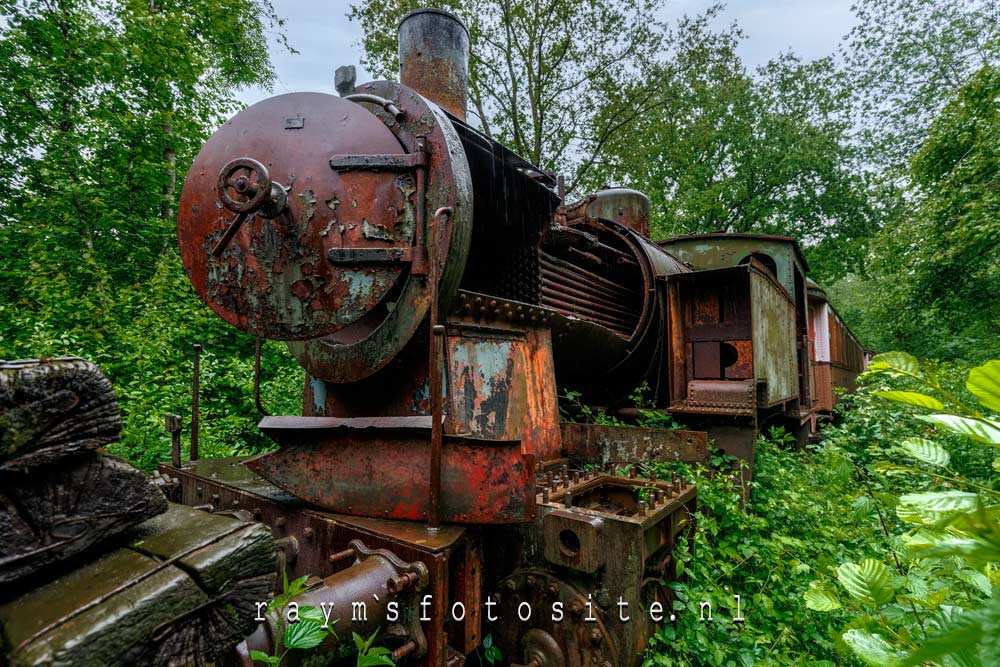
(182, 591)
(53, 408)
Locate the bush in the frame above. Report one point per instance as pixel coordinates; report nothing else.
(143, 342)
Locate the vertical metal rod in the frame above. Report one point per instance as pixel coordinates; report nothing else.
(435, 371)
(173, 426)
(437, 410)
(195, 388)
(256, 379)
(421, 251)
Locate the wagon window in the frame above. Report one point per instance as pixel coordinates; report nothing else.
(764, 259)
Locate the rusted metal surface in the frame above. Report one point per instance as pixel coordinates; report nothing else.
(501, 386)
(321, 536)
(618, 445)
(367, 580)
(272, 278)
(628, 208)
(739, 359)
(383, 471)
(724, 396)
(437, 432)
(580, 519)
(378, 335)
(718, 251)
(434, 58)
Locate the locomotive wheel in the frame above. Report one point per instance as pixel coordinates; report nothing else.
(572, 642)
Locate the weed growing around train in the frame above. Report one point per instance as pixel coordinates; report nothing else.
(877, 547)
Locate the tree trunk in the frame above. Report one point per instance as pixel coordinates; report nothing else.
(183, 593)
(51, 513)
(52, 408)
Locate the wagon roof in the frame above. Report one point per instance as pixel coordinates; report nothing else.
(761, 237)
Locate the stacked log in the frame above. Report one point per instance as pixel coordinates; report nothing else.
(53, 408)
(116, 575)
(182, 593)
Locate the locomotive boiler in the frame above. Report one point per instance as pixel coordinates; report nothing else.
(439, 293)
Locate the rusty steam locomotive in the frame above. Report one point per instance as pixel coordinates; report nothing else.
(438, 290)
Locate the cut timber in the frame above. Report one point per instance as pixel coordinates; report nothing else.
(51, 408)
(50, 513)
(183, 593)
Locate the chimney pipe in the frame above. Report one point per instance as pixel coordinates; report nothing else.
(434, 58)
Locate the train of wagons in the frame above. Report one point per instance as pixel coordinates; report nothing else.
(441, 295)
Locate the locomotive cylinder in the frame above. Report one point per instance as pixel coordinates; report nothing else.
(434, 58)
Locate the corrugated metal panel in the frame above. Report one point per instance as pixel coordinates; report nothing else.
(821, 318)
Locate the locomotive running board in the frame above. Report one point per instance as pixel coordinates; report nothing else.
(380, 467)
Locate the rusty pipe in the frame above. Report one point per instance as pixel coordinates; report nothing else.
(357, 599)
(437, 413)
(571, 295)
(557, 262)
(434, 58)
(555, 274)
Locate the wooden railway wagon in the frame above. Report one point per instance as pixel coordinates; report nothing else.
(835, 354)
(755, 341)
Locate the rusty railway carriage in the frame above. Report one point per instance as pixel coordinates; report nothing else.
(836, 355)
(439, 292)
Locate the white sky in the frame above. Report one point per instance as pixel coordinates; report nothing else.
(325, 38)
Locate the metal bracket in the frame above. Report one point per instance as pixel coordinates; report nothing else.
(369, 255)
(391, 162)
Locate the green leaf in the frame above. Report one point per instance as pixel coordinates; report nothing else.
(983, 430)
(820, 599)
(873, 649)
(984, 383)
(870, 582)
(260, 656)
(863, 506)
(911, 398)
(895, 362)
(312, 614)
(927, 451)
(370, 660)
(964, 632)
(304, 635)
(977, 580)
(936, 505)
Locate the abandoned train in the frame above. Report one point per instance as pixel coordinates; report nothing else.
(440, 292)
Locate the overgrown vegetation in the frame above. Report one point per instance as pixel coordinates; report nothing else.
(881, 546)
(104, 104)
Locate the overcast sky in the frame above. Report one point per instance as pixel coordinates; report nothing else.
(325, 38)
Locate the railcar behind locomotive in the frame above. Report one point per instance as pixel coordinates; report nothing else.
(440, 292)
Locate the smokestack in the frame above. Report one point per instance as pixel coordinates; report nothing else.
(434, 58)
